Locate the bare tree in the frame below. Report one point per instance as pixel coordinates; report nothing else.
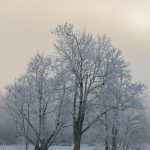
(128, 97)
(32, 100)
(89, 80)
(19, 91)
(90, 63)
(123, 96)
(133, 130)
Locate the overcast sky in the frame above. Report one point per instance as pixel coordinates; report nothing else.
(25, 28)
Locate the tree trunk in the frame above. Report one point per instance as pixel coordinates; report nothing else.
(114, 145)
(106, 132)
(78, 122)
(114, 136)
(26, 144)
(106, 144)
(77, 142)
(42, 147)
(77, 135)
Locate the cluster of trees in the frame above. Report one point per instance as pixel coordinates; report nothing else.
(88, 86)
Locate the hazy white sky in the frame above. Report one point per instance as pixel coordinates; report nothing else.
(25, 28)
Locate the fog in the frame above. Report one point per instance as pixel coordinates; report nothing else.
(26, 25)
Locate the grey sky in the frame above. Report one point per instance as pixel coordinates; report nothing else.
(25, 28)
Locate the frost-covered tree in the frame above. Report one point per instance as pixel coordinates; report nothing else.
(132, 129)
(126, 96)
(18, 102)
(89, 62)
(89, 82)
(123, 96)
(34, 101)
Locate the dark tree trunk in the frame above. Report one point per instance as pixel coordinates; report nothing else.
(106, 144)
(78, 121)
(42, 147)
(114, 136)
(77, 134)
(26, 145)
(106, 136)
(77, 143)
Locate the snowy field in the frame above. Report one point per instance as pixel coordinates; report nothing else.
(17, 147)
(83, 147)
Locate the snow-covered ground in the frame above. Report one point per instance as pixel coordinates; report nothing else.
(21, 147)
(83, 147)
